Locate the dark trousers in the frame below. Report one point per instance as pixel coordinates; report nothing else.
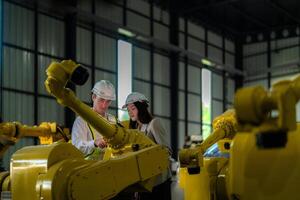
(159, 192)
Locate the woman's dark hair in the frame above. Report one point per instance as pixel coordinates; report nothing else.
(143, 114)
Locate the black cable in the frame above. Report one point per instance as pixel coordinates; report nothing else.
(62, 134)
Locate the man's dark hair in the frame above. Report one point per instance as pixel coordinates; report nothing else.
(144, 115)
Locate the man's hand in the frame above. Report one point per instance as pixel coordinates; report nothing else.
(100, 142)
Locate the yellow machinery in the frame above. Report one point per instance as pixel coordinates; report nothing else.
(59, 171)
(264, 153)
(11, 132)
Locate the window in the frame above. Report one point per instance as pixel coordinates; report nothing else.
(206, 103)
(124, 76)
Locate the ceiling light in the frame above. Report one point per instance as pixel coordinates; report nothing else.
(207, 62)
(125, 32)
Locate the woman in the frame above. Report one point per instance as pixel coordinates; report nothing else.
(141, 119)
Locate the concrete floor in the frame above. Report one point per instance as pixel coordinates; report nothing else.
(177, 192)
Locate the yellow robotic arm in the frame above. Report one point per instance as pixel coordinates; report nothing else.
(59, 171)
(11, 132)
(270, 115)
(263, 157)
(58, 74)
(224, 126)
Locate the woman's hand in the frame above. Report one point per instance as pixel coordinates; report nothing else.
(100, 142)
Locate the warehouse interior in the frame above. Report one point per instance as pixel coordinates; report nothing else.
(187, 57)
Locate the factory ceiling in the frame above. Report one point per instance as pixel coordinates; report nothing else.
(240, 17)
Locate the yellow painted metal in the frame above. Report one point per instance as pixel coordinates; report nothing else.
(11, 132)
(205, 181)
(224, 127)
(59, 171)
(264, 174)
(260, 166)
(28, 163)
(224, 145)
(125, 123)
(4, 181)
(58, 74)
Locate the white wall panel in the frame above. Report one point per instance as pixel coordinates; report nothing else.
(109, 11)
(230, 90)
(83, 46)
(196, 30)
(85, 5)
(106, 52)
(215, 54)
(194, 129)
(51, 38)
(285, 56)
(141, 63)
(181, 40)
(18, 107)
(254, 48)
(214, 38)
(181, 24)
(229, 60)
(196, 46)
(194, 108)
(255, 64)
(217, 86)
(161, 69)
(194, 79)
(217, 109)
(229, 46)
(50, 111)
(284, 43)
(18, 69)
(291, 69)
(162, 101)
(138, 23)
(139, 6)
(18, 25)
(161, 32)
(161, 15)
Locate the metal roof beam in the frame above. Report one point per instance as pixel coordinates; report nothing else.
(209, 5)
(283, 10)
(250, 17)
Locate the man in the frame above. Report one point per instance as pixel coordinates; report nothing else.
(84, 136)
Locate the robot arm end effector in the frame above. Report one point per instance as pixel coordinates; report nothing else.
(58, 75)
(255, 108)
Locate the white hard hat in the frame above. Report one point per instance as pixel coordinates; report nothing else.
(134, 97)
(104, 89)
